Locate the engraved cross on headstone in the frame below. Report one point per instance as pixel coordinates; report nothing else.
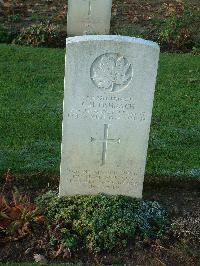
(89, 21)
(105, 142)
(89, 9)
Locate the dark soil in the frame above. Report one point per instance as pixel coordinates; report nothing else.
(141, 17)
(180, 247)
(25, 12)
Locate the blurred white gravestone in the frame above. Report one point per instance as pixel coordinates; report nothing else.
(86, 17)
(109, 91)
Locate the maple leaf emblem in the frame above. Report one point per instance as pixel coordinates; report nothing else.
(111, 72)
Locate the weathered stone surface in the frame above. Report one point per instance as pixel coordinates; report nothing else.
(86, 17)
(109, 90)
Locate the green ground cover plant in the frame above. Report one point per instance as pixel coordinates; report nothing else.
(6, 34)
(31, 95)
(101, 222)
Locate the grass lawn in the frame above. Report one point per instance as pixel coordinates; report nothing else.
(31, 94)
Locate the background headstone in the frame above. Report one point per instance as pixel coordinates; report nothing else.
(86, 17)
(109, 90)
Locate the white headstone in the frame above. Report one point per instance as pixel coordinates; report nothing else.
(109, 91)
(86, 17)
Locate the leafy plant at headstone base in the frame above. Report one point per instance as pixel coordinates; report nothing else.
(7, 34)
(196, 50)
(179, 31)
(14, 18)
(4, 34)
(18, 216)
(101, 222)
(39, 35)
